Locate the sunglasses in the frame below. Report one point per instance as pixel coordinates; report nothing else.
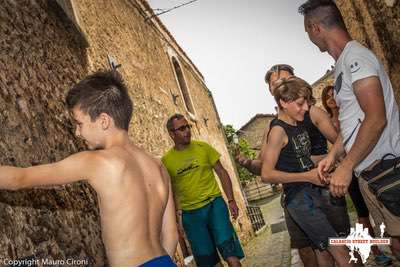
(183, 128)
(277, 69)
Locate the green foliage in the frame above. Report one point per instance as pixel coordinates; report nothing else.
(230, 132)
(243, 147)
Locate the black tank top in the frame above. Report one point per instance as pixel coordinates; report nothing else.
(319, 145)
(295, 156)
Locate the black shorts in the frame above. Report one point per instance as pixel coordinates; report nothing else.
(357, 198)
(335, 212)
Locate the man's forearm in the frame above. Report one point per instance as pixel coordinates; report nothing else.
(366, 139)
(226, 185)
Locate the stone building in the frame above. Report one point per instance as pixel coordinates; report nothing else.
(45, 47)
(254, 130)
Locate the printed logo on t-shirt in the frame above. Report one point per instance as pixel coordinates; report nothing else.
(354, 67)
(338, 83)
(187, 167)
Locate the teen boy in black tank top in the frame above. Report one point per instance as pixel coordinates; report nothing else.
(337, 214)
(287, 159)
(295, 156)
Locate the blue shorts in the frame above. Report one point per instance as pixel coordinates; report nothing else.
(312, 210)
(209, 228)
(162, 261)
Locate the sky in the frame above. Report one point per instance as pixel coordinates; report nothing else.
(234, 42)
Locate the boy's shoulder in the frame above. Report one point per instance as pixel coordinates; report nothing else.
(120, 156)
(277, 125)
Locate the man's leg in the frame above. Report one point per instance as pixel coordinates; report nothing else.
(233, 261)
(223, 233)
(200, 238)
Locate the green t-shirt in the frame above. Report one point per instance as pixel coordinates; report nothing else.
(192, 176)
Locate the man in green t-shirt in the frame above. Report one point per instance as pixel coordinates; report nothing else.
(205, 216)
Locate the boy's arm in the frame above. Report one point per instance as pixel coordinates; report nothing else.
(324, 123)
(252, 165)
(277, 140)
(169, 231)
(80, 166)
(328, 163)
(227, 187)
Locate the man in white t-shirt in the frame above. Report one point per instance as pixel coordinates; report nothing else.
(368, 112)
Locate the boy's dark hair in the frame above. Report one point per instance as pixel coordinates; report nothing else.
(102, 92)
(170, 121)
(292, 88)
(323, 11)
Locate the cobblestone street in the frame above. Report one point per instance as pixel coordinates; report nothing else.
(271, 247)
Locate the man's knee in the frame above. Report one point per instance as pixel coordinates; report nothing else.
(233, 261)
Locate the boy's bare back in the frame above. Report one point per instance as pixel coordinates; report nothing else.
(133, 191)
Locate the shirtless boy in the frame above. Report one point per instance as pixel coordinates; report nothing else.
(132, 187)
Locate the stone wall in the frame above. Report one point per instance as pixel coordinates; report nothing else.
(42, 55)
(376, 24)
(40, 59)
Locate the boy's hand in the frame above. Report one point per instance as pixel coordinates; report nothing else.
(324, 167)
(314, 177)
(242, 160)
(233, 208)
(235, 150)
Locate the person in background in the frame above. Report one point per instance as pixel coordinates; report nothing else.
(202, 211)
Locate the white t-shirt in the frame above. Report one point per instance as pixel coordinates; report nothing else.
(355, 63)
